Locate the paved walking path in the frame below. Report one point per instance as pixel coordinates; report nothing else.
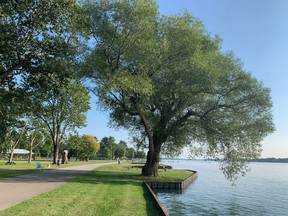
(18, 189)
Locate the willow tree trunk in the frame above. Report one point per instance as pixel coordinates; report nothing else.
(152, 163)
(156, 139)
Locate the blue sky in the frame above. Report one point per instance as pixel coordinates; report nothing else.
(257, 32)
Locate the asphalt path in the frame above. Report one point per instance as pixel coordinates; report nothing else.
(18, 189)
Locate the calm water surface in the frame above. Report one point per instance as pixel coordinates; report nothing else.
(262, 192)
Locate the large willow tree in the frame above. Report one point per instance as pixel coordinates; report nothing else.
(166, 79)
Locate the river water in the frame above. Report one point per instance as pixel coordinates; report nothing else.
(263, 191)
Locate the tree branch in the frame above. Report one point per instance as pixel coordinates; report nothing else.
(144, 123)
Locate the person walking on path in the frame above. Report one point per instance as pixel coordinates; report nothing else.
(58, 163)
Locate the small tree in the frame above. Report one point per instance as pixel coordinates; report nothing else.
(119, 151)
(61, 107)
(74, 145)
(89, 147)
(45, 148)
(107, 147)
(13, 137)
(83, 147)
(131, 153)
(140, 154)
(36, 134)
(123, 146)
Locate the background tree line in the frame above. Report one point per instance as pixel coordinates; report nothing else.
(84, 148)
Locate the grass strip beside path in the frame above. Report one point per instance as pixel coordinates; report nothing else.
(23, 167)
(108, 190)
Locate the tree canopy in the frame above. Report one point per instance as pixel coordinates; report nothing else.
(40, 49)
(166, 79)
(61, 104)
(89, 147)
(32, 31)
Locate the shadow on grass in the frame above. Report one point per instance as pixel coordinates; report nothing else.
(47, 176)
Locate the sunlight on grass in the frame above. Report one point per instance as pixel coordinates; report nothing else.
(108, 190)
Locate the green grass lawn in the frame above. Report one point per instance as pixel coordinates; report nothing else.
(108, 190)
(22, 167)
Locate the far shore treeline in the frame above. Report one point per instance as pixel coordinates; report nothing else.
(267, 160)
(271, 160)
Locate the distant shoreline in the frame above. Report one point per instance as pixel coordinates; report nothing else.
(262, 160)
(272, 160)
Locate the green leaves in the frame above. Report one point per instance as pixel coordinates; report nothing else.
(65, 105)
(166, 79)
(32, 31)
(90, 146)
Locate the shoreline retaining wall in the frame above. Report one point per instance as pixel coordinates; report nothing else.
(168, 185)
(174, 185)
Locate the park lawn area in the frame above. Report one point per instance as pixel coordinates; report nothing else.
(23, 167)
(109, 190)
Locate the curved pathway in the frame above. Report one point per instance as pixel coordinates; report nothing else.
(18, 189)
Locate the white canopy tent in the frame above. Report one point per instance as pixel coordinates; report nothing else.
(20, 151)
